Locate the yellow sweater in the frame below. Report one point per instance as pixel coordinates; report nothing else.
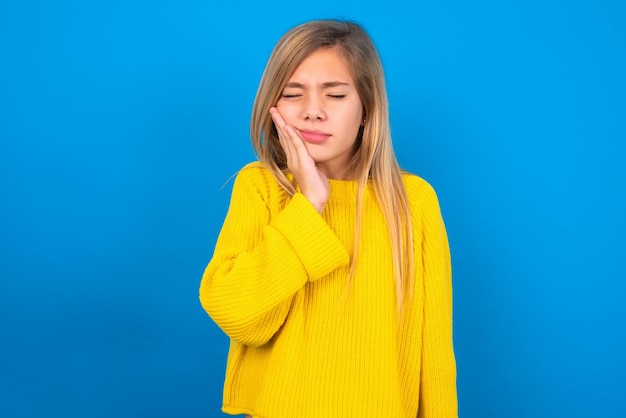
(303, 345)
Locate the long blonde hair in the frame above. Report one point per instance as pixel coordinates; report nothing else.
(373, 159)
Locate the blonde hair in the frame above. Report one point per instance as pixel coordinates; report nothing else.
(373, 159)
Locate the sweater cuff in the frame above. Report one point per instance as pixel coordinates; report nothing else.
(314, 242)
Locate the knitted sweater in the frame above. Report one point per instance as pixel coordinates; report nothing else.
(305, 344)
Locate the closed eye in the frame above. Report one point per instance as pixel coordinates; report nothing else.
(337, 96)
(290, 96)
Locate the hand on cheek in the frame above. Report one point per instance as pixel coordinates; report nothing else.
(313, 183)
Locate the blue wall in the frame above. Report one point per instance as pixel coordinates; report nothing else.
(120, 122)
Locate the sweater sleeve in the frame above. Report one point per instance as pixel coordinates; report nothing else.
(438, 398)
(261, 262)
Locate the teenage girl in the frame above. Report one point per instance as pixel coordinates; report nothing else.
(331, 274)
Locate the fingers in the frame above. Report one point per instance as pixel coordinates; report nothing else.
(290, 141)
(282, 127)
(312, 182)
(283, 134)
(277, 117)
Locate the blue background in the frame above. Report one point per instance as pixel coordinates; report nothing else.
(120, 121)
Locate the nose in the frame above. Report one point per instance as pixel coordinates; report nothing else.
(313, 109)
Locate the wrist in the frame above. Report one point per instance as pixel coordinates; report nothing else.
(316, 202)
(320, 207)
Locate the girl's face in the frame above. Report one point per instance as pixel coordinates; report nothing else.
(321, 102)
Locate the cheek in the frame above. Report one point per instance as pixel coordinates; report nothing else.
(356, 118)
(287, 110)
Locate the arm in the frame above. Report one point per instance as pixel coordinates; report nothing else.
(438, 383)
(260, 263)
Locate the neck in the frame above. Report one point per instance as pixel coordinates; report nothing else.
(336, 173)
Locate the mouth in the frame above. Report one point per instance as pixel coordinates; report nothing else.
(313, 137)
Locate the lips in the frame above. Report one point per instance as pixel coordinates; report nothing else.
(313, 137)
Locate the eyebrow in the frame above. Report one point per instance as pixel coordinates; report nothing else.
(325, 85)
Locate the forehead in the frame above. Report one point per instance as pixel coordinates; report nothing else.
(324, 64)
